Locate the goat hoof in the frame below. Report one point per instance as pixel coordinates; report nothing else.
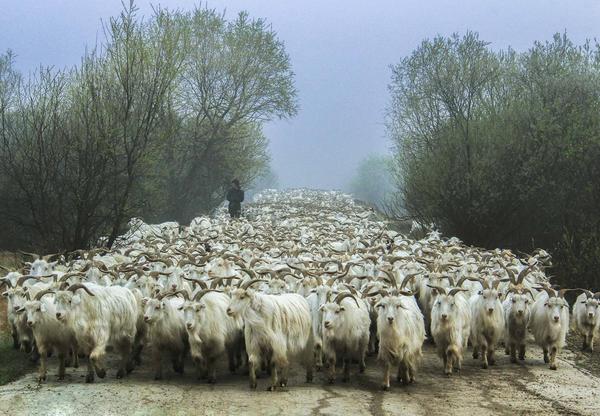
(120, 373)
(553, 367)
(385, 387)
(61, 377)
(253, 386)
(513, 360)
(331, 381)
(101, 372)
(484, 366)
(41, 379)
(271, 388)
(158, 377)
(211, 380)
(129, 368)
(89, 378)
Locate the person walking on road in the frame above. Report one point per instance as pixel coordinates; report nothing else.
(235, 196)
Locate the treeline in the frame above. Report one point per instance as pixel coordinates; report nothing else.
(154, 122)
(503, 148)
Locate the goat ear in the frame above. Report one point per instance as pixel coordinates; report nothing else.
(43, 307)
(145, 300)
(5, 294)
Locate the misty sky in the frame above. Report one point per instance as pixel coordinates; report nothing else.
(340, 51)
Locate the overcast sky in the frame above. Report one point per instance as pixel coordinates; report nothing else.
(340, 51)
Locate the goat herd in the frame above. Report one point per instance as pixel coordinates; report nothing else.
(308, 277)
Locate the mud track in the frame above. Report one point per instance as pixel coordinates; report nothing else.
(504, 389)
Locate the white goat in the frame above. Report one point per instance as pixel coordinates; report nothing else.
(166, 331)
(487, 322)
(586, 317)
(401, 332)
(50, 335)
(345, 330)
(277, 329)
(517, 312)
(450, 326)
(549, 323)
(211, 332)
(101, 317)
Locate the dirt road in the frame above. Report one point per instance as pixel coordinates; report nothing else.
(505, 389)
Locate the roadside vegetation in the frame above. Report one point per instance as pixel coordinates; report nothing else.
(164, 103)
(502, 149)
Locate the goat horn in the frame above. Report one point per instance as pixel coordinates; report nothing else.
(250, 283)
(524, 273)
(77, 286)
(23, 279)
(342, 296)
(200, 294)
(41, 293)
(455, 290)
(551, 292)
(438, 288)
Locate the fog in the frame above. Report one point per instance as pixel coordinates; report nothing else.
(340, 51)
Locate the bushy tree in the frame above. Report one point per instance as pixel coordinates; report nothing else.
(154, 122)
(500, 148)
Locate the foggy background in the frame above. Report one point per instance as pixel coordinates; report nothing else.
(340, 51)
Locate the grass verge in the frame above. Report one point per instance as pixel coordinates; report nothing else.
(13, 363)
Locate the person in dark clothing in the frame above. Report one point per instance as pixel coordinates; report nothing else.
(235, 196)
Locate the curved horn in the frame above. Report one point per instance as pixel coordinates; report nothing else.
(201, 293)
(251, 282)
(438, 288)
(7, 282)
(524, 273)
(23, 279)
(391, 277)
(77, 286)
(551, 292)
(183, 292)
(41, 293)
(199, 282)
(527, 290)
(342, 296)
(496, 282)
(455, 290)
(408, 279)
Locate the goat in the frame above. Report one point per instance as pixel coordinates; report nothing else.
(549, 323)
(345, 331)
(99, 316)
(401, 332)
(166, 331)
(586, 317)
(211, 331)
(277, 328)
(450, 326)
